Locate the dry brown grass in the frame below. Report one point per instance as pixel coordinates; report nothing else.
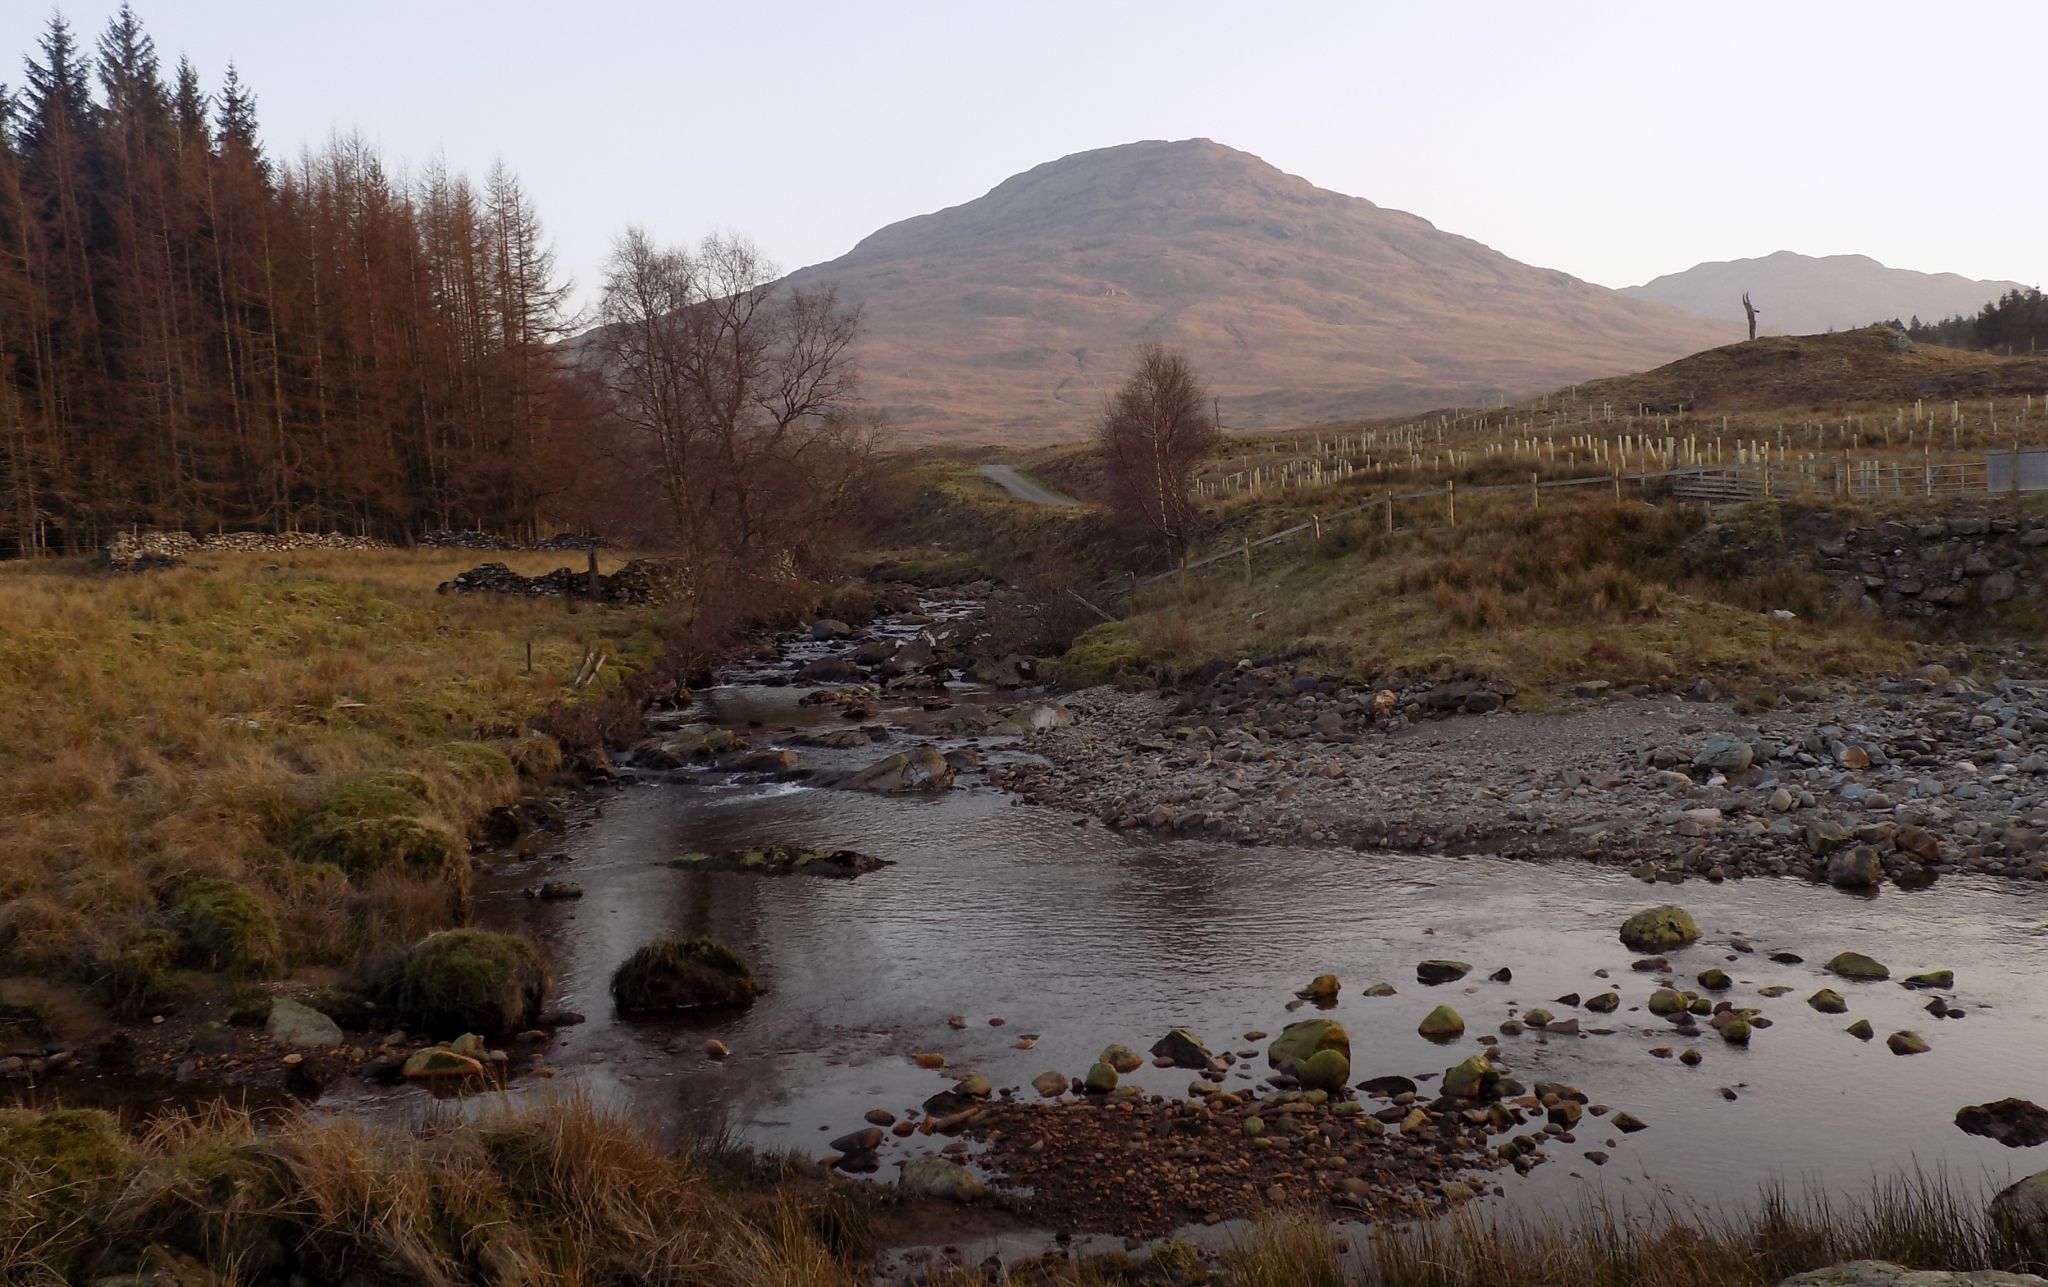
(161, 728)
(559, 1195)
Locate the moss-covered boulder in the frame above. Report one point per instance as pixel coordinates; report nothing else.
(1101, 1079)
(1855, 965)
(1322, 989)
(1325, 1070)
(1440, 971)
(1828, 1001)
(1298, 1042)
(1474, 1078)
(1659, 929)
(1665, 1001)
(1715, 980)
(463, 980)
(226, 927)
(682, 974)
(379, 823)
(1442, 1024)
(1121, 1057)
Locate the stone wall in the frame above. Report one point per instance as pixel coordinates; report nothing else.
(1929, 568)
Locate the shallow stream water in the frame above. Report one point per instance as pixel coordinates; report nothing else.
(1083, 937)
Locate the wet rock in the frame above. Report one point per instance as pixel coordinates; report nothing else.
(1321, 989)
(1298, 1042)
(1724, 754)
(1122, 1058)
(1861, 1030)
(922, 769)
(1907, 1043)
(935, 1177)
(556, 891)
(1605, 1003)
(1629, 1123)
(1381, 989)
(1715, 980)
(1050, 1085)
(868, 1139)
(1942, 980)
(1325, 1070)
(1441, 971)
(1823, 836)
(1665, 1001)
(682, 974)
(2015, 1123)
(1857, 868)
(437, 1063)
(1388, 1086)
(1855, 965)
(1183, 1049)
(825, 629)
(1101, 1079)
(1474, 1078)
(1442, 1024)
(1735, 1031)
(783, 860)
(1537, 1017)
(1828, 1001)
(1659, 929)
(1502, 975)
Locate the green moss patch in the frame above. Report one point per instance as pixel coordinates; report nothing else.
(226, 927)
(461, 981)
(683, 974)
(380, 822)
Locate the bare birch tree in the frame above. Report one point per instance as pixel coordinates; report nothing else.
(1153, 431)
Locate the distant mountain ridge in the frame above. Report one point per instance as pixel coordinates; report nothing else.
(1805, 294)
(1008, 318)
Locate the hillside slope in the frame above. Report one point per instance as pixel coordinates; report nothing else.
(1008, 318)
(1803, 294)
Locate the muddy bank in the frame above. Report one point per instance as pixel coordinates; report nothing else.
(1899, 781)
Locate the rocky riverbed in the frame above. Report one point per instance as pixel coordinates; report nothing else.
(1898, 781)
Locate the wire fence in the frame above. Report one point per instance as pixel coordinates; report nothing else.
(1761, 479)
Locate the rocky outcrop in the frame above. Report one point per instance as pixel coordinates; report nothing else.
(1931, 567)
(641, 581)
(1880, 1273)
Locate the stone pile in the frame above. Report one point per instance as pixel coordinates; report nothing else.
(641, 581)
(144, 551)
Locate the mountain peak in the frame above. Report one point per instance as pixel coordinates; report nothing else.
(1011, 315)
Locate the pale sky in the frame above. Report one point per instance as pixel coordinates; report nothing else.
(1615, 141)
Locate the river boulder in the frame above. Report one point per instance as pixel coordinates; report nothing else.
(294, 1023)
(682, 974)
(1434, 972)
(1855, 965)
(1855, 869)
(1659, 929)
(1101, 1079)
(1298, 1042)
(1325, 1070)
(1122, 1058)
(1322, 989)
(2015, 1123)
(1183, 1049)
(1442, 1024)
(2020, 1211)
(922, 769)
(1474, 1078)
(463, 980)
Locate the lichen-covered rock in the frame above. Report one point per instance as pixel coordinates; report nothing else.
(1297, 1042)
(1828, 1001)
(294, 1023)
(1122, 1058)
(1322, 988)
(1101, 1079)
(1441, 971)
(1855, 965)
(1325, 1070)
(1475, 1078)
(1442, 1024)
(935, 1177)
(1659, 929)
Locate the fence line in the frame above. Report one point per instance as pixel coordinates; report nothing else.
(1998, 474)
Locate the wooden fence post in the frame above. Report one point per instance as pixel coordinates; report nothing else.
(1451, 499)
(1535, 492)
(1247, 560)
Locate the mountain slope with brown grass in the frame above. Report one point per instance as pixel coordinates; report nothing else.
(1009, 317)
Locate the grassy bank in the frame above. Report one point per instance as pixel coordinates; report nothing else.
(569, 1196)
(1591, 588)
(262, 762)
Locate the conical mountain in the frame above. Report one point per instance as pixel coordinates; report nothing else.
(1009, 317)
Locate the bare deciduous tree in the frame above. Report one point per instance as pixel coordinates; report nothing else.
(1153, 431)
(745, 387)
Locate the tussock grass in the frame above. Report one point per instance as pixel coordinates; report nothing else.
(316, 732)
(562, 1195)
(1628, 592)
